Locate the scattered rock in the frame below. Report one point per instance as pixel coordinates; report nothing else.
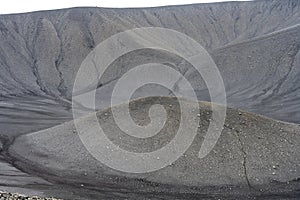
(10, 196)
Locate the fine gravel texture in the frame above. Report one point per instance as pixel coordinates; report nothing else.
(256, 47)
(9, 196)
(252, 152)
(41, 52)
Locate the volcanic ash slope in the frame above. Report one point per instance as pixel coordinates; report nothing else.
(252, 150)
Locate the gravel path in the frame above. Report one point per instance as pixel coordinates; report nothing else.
(9, 196)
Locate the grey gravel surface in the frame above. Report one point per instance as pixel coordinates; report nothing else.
(252, 152)
(10, 196)
(41, 52)
(256, 48)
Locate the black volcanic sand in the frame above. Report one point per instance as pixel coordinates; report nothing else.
(255, 156)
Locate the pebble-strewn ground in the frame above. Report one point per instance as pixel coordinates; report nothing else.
(256, 46)
(9, 196)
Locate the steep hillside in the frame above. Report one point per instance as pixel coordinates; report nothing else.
(42, 51)
(262, 75)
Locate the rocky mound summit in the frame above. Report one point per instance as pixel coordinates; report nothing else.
(252, 152)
